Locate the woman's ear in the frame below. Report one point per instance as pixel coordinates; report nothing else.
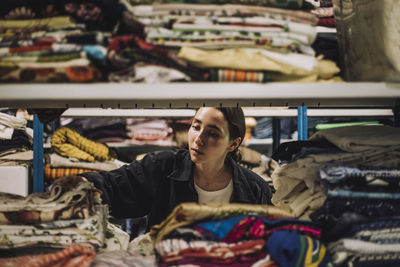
(235, 144)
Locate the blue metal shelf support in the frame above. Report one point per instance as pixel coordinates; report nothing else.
(38, 181)
(302, 123)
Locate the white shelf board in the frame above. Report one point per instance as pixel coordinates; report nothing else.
(262, 142)
(251, 112)
(98, 112)
(192, 95)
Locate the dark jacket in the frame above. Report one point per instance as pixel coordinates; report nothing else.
(160, 181)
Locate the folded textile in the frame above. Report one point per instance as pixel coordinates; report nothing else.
(69, 143)
(19, 140)
(12, 121)
(123, 259)
(17, 158)
(361, 137)
(57, 161)
(70, 198)
(187, 213)
(90, 231)
(73, 256)
(289, 249)
(54, 173)
(261, 60)
(172, 250)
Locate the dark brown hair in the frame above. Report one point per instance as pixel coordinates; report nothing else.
(236, 126)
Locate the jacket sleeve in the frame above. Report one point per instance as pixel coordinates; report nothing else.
(129, 191)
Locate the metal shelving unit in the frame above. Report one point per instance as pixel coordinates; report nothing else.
(179, 99)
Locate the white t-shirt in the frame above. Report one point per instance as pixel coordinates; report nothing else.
(220, 196)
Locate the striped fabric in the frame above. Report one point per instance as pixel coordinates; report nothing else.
(231, 75)
(54, 173)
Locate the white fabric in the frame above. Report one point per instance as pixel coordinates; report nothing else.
(12, 121)
(219, 196)
(6, 132)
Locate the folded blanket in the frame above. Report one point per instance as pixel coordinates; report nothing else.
(69, 143)
(75, 255)
(70, 198)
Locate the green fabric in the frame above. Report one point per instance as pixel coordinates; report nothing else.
(326, 126)
(303, 245)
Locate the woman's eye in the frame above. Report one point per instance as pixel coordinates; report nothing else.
(196, 127)
(213, 134)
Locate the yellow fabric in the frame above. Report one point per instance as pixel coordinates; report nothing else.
(187, 213)
(69, 143)
(245, 60)
(53, 23)
(308, 262)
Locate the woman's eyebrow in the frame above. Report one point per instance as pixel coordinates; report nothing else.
(195, 120)
(214, 127)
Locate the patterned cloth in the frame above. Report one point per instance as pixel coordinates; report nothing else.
(69, 143)
(70, 198)
(187, 213)
(73, 256)
(13, 73)
(54, 173)
(231, 75)
(291, 249)
(172, 250)
(90, 231)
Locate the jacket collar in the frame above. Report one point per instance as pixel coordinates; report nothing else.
(184, 170)
(241, 188)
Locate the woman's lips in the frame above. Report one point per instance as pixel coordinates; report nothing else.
(198, 152)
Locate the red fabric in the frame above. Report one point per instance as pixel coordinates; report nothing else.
(73, 256)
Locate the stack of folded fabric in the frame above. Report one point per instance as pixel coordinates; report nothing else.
(15, 141)
(238, 43)
(150, 131)
(70, 213)
(42, 41)
(239, 235)
(296, 179)
(360, 215)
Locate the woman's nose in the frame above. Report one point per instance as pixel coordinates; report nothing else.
(199, 139)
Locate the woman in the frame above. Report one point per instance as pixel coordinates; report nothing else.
(206, 173)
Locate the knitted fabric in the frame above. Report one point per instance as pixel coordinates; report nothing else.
(290, 249)
(69, 143)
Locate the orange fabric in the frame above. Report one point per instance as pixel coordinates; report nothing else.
(54, 173)
(73, 256)
(240, 76)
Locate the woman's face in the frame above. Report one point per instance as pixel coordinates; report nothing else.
(208, 136)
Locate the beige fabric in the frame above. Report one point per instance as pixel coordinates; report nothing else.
(187, 213)
(361, 137)
(291, 179)
(59, 161)
(247, 60)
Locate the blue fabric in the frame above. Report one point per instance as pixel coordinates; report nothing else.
(221, 228)
(285, 248)
(289, 249)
